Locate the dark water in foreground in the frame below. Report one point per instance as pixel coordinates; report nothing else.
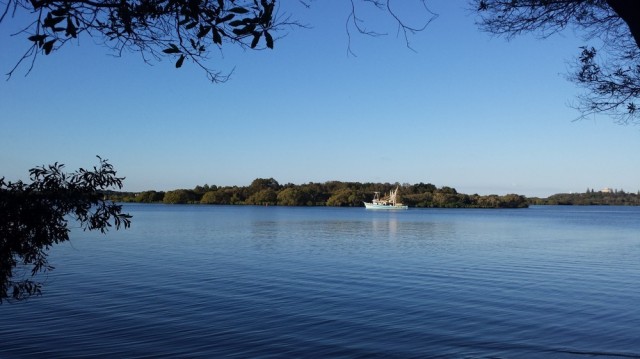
(208, 281)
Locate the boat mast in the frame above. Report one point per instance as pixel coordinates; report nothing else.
(392, 196)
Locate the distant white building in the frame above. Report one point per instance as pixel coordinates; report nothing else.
(606, 190)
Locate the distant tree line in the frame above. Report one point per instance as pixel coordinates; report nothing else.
(267, 191)
(591, 197)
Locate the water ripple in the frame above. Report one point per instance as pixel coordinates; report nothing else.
(251, 282)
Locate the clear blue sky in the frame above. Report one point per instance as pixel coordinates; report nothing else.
(466, 110)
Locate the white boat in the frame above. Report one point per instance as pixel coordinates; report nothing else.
(386, 202)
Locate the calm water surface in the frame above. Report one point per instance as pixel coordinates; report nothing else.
(214, 281)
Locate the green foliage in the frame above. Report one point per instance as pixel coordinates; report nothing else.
(35, 216)
(267, 191)
(149, 197)
(418, 199)
(293, 196)
(352, 194)
(447, 197)
(508, 201)
(214, 197)
(260, 184)
(203, 189)
(615, 198)
(180, 196)
(266, 196)
(225, 195)
(346, 197)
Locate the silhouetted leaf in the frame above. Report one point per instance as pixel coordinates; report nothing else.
(172, 49)
(180, 61)
(36, 4)
(224, 18)
(48, 46)
(204, 30)
(267, 36)
(71, 29)
(239, 10)
(245, 30)
(216, 37)
(268, 11)
(59, 12)
(50, 21)
(256, 38)
(37, 38)
(236, 23)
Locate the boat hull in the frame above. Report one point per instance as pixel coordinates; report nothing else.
(369, 205)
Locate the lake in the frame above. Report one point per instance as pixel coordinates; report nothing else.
(244, 281)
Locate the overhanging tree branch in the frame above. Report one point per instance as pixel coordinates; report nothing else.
(34, 217)
(629, 11)
(387, 6)
(610, 75)
(180, 29)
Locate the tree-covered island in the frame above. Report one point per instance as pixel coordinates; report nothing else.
(591, 197)
(267, 191)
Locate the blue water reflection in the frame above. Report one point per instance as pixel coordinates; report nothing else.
(210, 281)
